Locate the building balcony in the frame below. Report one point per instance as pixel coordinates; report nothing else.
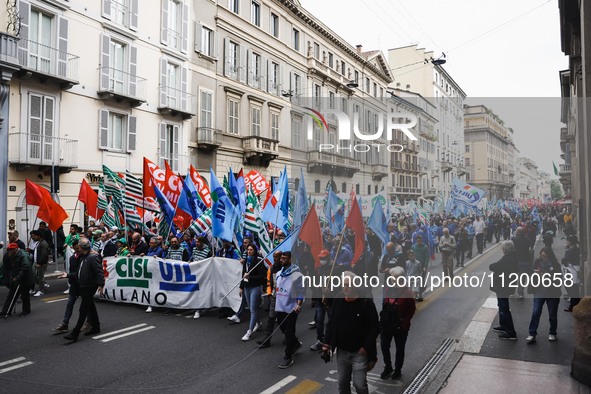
(28, 149)
(259, 150)
(330, 163)
(410, 167)
(9, 51)
(396, 165)
(431, 192)
(176, 102)
(178, 163)
(121, 86)
(46, 64)
(379, 171)
(564, 169)
(462, 170)
(405, 190)
(446, 166)
(328, 74)
(205, 139)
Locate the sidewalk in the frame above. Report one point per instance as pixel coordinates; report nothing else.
(483, 363)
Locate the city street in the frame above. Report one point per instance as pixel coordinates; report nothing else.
(139, 351)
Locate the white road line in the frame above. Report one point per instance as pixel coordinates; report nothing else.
(14, 360)
(58, 300)
(277, 386)
(118, 331)
(17, 366)
(127, 334)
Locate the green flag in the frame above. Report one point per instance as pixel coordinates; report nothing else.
(555, 169)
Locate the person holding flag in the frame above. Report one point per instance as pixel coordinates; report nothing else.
(253, 278)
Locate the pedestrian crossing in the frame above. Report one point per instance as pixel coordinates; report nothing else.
(293, 385)
(124, 332)
(15, 363)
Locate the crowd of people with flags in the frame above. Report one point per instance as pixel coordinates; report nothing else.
(279, 239)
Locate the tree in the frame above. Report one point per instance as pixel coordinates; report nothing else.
(556, 190)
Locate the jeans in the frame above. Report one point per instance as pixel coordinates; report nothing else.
(400, 342)
(505, 317)
(287, 324)
(321, 311)
(72, 297)
(87, 308)
(469, 247)
(480, 242)
(253, 299)
(552, 304)
(448, 264)
(242, 306)
(40, 276)
(524, 268)
(352, 364)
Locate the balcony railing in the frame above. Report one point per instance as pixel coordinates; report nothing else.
(565, 167)
(48, 61)
(206, 138)
(396, 165)
(404, 190)
(332, 160)
(431, 192)
(37, 149)
(177, 101)
(260, 150)
(178, 163)
(122, 85)
(379, 171)
(9, 49)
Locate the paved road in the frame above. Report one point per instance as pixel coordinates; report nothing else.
(180, 354)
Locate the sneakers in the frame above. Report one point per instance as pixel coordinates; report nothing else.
(552, 338)
(287, 362)
(234, 319)
(247, 336)
(149, 309)
(61, 328)
(87, 326)
(530, 339)
(67, 291)
(257, 327)
(197, 315)
(387, 372)
(397, 374)
(511, 337)
(297, 347)
(312, 324)
(32, 292)
(38, 294)
(46, 286)
(316, 347)
(499, 329)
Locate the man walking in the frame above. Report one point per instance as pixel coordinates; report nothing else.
(447, 245)
(479, 226)
(40, 254)
(504, 268)
(17, 275)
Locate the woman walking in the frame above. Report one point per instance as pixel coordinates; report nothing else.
(253, 278)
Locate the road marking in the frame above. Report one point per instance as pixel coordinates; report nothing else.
(13, 367)
(306, 386)
(277, 386)
(56, 300)
(118, 331)
(59, 298)
(127, 334)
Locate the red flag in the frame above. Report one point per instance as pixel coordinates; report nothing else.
(49, 211)
(90, 199)
(355, 223)
(311, 234)
(200, 185)
(149, 169)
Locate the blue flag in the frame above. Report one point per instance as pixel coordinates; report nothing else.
(225, 216)
(331, 208)
(301, 208)
(378, 223)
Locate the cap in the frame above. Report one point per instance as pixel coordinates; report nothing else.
(114, 228)
(12, 245)
(324, 253)
(122, 240)
(97, 232)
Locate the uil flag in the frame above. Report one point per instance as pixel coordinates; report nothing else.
(225, 216)
(355, 223)
(301, 207)
(273, 211)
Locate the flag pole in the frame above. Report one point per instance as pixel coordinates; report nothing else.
(335, 259)
(27, 218)
(74, 213)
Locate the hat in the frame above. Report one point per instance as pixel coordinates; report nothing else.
(324, 253)
(114, 228)
(122, 240)
(97, 232)
(572, 239)
(12, 245)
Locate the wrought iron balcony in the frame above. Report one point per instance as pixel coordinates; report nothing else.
(405, 190)
(177, 102)
(259, 150)
(28, 149)
(47, 64)
(120, 86)
(9, 50)
(205, 138)
(378, 171)
(328, 162)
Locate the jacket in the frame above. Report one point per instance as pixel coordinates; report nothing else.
(398, 308)
(521, 244)
(89, 271)
(550, 270)
(109, 250)
(257, 276)
(289, 288)
(42, 252)
(17, 269)
(507, 265)
(138, 249)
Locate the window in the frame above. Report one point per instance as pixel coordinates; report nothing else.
(41, 121)
(232, 59)
(233, 6)
(254, 71)
(172, 85)
(233, 114)
(296, 128)
(169, 145)
(117, 131)
(296, 39)
(343, 68)
(367, 85)
(317, 94)
(205, 41)
(375, 89)
(330, 60)
(316, 51)
(275, 126)
(467, 150)
(175, 22)
(357, 189)
(368, 190)
(467, 161)
(331, 100)
(317, 186)
(344, 187)
(376, 189)
(382, 93)
(344, 105)
(40, 35)
(273, 71)
(117, 66)
(206, 118)
(121, 12)
(255, 17)
(274, 25)
(356, 73)
(297, 85)
(255, 121)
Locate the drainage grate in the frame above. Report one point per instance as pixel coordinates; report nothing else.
(424, 374)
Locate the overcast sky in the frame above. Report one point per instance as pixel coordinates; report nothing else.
(494, 49)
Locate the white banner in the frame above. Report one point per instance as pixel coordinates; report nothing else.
(171, 283)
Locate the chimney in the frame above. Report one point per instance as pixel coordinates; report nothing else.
(359, 48)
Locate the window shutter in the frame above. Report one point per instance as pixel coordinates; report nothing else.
(198, 31)
(262, 83)
(249, 68)
(175, 149)
(105, 53)
(292, 82)
(133, 17)
(269, 75)
(49, 148)
(62, 44)
(184, 89)
(162, 143)
(24, 10)
(215, 52)
(242, 63)
(131, 133)
(107, 9)
(185, 29)
(279, 79)
(133, 71)
(103, 128)
(227, 71)
(163, 84)
(164, 19)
